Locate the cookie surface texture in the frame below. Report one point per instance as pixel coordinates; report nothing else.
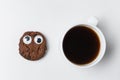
(32, 45)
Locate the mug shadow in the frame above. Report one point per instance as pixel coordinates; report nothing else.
(110, 44)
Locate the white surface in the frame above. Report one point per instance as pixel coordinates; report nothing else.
(53, 17)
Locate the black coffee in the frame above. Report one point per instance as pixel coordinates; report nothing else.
(81, 45)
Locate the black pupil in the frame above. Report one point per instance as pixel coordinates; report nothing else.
(38, 40)
(27, 38)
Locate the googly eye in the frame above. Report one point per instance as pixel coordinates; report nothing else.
(27, 39)
(38, 39)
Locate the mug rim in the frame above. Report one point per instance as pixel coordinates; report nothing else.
(102, 45)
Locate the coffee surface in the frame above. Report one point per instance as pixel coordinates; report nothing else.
(81, 45)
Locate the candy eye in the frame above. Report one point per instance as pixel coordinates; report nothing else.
(38, 39)
(27, 39)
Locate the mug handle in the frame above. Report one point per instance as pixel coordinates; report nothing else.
(93, 21)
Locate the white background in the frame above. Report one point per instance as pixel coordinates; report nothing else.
(53, 18)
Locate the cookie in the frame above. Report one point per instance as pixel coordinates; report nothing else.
(32, 45)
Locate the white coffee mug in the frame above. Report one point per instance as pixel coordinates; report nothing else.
(92, 24)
